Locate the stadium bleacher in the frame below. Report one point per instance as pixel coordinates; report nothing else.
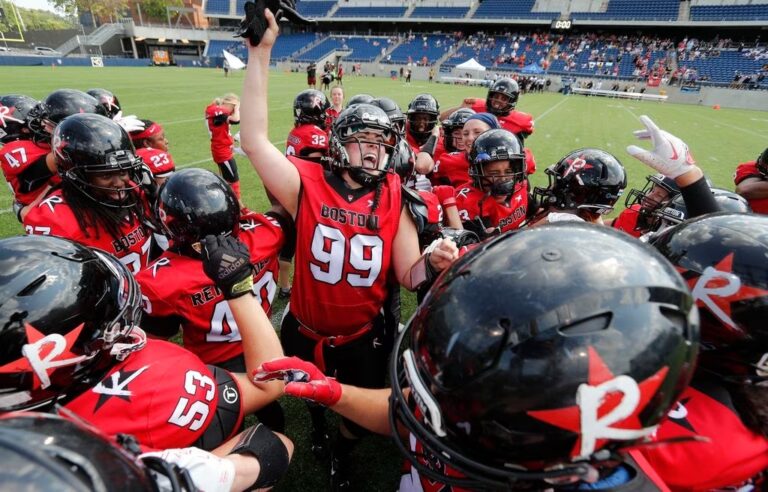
(370, 12)
(433, 46)
(315, 9)
(661, 10)
(507, 9)
(440, 12)
(217, 7)
(729, 12)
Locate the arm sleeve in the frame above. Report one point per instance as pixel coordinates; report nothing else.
(34, 176)
(698, 199)
(161, 326)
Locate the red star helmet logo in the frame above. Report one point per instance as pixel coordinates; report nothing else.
(43, 354)
(607, 408)
(716, 288)
(317, 102)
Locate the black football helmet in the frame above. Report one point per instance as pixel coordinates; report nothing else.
(723, 258)
(585, 179)
(493, 146)
(762, 163)
(42, 452)
(351, 121)
(57, 106)
(85, 145)
(309, 107)
(676, 211)
(193, 203)
(507, 87)
(395, 114)
(455, 122)
(360, 99)
(422, 104)
(404, 161)
(107, 99)
(66, 313)
(14, 117)
(504, 391)
(647, 206)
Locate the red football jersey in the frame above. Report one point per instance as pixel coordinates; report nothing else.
(159, 162)
(515, 121)
(451, 169)
(221, 140)
(306, 138)
(749, 170)
(15, 158)
(439, 149)
(54, 217)
(176, 285)
(733, 454)
(341, 268)
(627, 221)
(331, 115)
(473, 203)
(162, 394)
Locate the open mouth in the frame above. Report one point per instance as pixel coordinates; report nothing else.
(370, 160)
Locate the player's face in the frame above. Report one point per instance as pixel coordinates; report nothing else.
(366, 149)
(112, 186)
(337, 96)
(654, 198)
(158, 141)
(458, 138)
(499, 100)
(420, 122)
(471, 130)
(496, 173)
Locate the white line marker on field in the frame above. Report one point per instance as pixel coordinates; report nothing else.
(545, 113)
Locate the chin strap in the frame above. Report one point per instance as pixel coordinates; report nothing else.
(124, 349)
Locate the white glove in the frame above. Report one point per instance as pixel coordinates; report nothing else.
(670, 155)
(209, 473)
(236, 137)
(423, 183)
(130, 123)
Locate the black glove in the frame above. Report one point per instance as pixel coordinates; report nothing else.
(255, 24)
(227, 261)
(147, 182)
(461, 237)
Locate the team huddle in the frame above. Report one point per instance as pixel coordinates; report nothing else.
(551, 349)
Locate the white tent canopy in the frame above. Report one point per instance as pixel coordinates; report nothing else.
(235, 63)
(471, 64)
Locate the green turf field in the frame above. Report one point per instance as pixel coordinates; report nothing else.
(176, 98)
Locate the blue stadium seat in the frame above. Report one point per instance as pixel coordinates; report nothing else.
(217, 7)
(440, 12)
(370, 12)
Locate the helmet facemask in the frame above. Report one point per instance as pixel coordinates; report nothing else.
(499, 184)
(117, 162)
(371, 155)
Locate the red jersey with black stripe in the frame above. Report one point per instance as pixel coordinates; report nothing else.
(216, 117)
(749, 170)
(176, 285)
(451, 169)
(305, 139)
(163, 395)
(17, 157)
(473, 203)
(341, 268)
(731, 456)
(54, 217)
(159, 162)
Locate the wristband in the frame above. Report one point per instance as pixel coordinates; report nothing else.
(449, 202)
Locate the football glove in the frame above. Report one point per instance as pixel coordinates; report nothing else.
(303, 380)
(130, 123)
(670, 155)
(253, 26)
(227, 261)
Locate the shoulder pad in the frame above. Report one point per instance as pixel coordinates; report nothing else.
(412, 196)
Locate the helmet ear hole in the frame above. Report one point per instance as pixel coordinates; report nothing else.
(595, 324)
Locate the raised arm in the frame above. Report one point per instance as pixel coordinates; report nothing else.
(279, 175)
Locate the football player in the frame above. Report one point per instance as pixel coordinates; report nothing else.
(219, 115)
(353, 238)
(722, 415)
(525, 396)
(423, 133)
(501, 101)
(152, 146)
(495, 200)
(452, 168)
(309, 137)
(644, 206)
(28, 165)
(107, 99)
(751, 179)
(100, 201)
(70, 325)
(583, 186)
(192, 204)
